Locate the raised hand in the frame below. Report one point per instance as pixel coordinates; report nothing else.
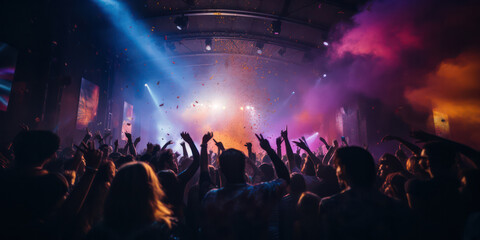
(284, 133)
(264, 144)
(248, 145)
(115, 143)
(301, 144)
(170, 142)
(128, 135)
(219, 145)
(182, 144)
(149, 147)
(335, 143)
(98, 135)
(137, 140)
(186, 137)
(92, 156)
(279, 141)
(207, 137)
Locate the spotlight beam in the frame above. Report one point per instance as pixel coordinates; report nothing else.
(123, 20)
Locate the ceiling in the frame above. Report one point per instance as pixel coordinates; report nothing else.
(236, 26)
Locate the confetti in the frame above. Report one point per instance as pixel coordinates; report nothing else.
(161, 105)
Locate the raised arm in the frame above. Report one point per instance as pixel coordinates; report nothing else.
(220, 147)
(288, 147)
(131, 147)
(184, 149)
(279, 141)
(302, 143)
(325, 142)
(75, 200)
(137, 140)
(115, 144)
(469, 152)
(280, 168)
(188, 173)
(204, 184)
(328, 156)
(412, 147)
(166, 145)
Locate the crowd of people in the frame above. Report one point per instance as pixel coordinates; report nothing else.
(96, 191)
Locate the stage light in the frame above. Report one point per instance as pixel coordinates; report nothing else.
(248, 107)
(325, 43)
(293, 92)
(282, 51)
(276, 27)
(259, 46)
(146, 85)
(324, 75)
(223, 107)
(208, 44)
(181, 22)
(241, 108)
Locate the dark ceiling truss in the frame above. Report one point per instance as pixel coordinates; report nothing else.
(240, 13)
(282, 42)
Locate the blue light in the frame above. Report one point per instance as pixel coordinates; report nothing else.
(123, 20)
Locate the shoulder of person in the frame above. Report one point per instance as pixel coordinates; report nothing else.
(210, 195)
(414, 186)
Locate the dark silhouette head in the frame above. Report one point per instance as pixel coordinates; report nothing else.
(297, 184)
(308, 168)
(232, 165)
(35, 148)
(135, 199)
(387, 164)
(440, 158)
(268, 174)
(165, 161)
(355, 167)
(168, 180)
(394, 186)
(307, 206)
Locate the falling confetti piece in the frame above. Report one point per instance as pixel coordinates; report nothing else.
(173, 62)
(177, 106)
(178, 97)
(158, 83)
(161, 105)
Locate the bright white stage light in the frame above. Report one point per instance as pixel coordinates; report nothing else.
(324, 75)
(241, 108)
(293, 92)
(325, 43)
(146, 85)
(248, 107)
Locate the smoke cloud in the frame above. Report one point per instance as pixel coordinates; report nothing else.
(417, 54)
